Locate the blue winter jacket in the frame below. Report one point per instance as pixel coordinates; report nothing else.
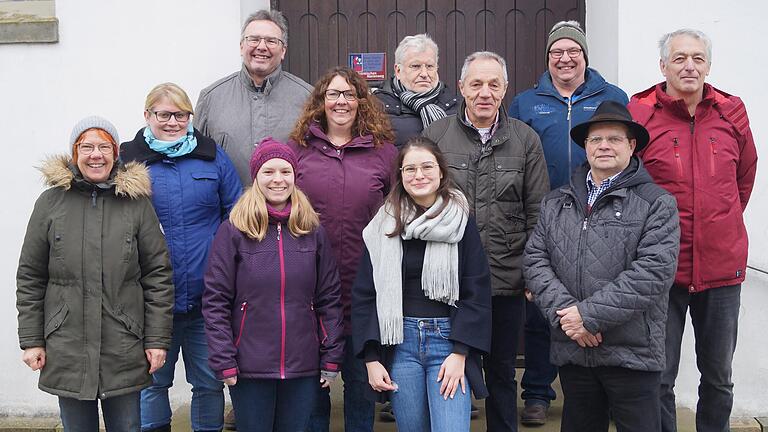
(192, 195)
(543, 109)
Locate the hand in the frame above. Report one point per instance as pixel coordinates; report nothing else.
(452, 374)
(230, 381)
(590, 340)
(327, 378)
(378, 377)
(34, 358)
(528, 295)
(156, 358)
(570, 317)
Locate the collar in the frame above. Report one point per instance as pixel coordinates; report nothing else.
(138, 150)
(269, 83)
(605, 184)
(485, 133)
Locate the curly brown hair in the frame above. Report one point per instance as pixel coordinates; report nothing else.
(370, 120)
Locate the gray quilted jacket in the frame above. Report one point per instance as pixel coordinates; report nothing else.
(615, 262)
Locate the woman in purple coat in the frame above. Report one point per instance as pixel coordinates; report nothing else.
(343, 143)
(272, 303)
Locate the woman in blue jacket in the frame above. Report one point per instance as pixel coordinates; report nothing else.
(272, 300)
(194, 186)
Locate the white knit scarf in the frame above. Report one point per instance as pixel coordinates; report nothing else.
(440, 273)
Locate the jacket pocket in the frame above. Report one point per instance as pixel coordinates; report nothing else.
(509, 176)
(56, 320)
(458, 165)
(633, 333)
(677, 157)
(206, 188)
(244, 310)
(130, 253)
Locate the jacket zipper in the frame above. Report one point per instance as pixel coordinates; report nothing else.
(712, 156)
(678, 161)
(282, 299)
(244, 309)
(320, 321)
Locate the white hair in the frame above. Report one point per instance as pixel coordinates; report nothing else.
(484, 55)
(417, 43)
(665, 41)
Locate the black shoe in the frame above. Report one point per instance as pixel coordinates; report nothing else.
(229, 420)
(163, 428)
(386, 414)
(474, 412)
(534, 415)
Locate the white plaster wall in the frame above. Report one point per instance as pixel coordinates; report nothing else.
(111, 53)
(623, 36)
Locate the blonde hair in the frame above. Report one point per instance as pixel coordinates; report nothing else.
(249, 214)
(173, 92)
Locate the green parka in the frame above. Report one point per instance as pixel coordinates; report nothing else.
(94, 283)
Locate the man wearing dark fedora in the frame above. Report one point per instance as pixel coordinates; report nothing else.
(599, 264)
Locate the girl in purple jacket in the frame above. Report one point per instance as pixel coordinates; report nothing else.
(272, 302)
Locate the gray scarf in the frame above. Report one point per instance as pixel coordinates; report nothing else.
(440, 274)
(423, 103)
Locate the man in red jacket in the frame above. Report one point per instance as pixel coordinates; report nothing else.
(702, 151)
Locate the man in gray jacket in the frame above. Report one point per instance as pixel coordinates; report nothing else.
(599, 264)
(498, 163)
(260, 100)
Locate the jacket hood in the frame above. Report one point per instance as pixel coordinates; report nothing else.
(130, 180)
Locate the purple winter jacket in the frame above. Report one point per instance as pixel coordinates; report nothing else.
(273, 307)
(346, 187)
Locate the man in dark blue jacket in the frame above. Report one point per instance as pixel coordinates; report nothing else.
(567, 93)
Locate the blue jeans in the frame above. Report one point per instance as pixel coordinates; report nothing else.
(539, 372)
(121, 414)
(499, 364)
(715, 319)
(589, 393)
(358, 411)
(417, 404)
(207, 408)
(272, 405)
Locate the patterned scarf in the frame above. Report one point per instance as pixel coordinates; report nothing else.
(172, 149)
(422, 103)
(440, 274)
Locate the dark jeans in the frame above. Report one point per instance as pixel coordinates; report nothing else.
(273, 405)
(590, 392)
(499, 365)
(539, 372)
(715, 319)
(207, 407)
(358, 411)
(121, 414)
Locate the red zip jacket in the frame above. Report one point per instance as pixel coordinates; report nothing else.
(708, 162)
(273, 307)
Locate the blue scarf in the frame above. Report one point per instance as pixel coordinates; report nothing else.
(172, 149)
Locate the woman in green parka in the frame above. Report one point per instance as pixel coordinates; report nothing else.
(94, 291)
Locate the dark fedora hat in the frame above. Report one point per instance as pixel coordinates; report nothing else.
(614, 112)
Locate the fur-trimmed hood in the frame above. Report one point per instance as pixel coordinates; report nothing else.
(130, 180)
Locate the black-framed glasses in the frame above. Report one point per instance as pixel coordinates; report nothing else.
(164, 116)
(332, 95)
(612, 140)
(428, 169)
(88, 148)
(270, 42)
(558, 53)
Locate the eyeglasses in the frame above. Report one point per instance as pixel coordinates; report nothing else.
(164, 116)
(428, 169)
(332, 95)
(88, 148)
(270, 42)
(612, 140)
(558, 53)
(416, 67)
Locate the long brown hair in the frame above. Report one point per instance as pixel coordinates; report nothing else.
(250, 216)
(398, 199)
(370, 120)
